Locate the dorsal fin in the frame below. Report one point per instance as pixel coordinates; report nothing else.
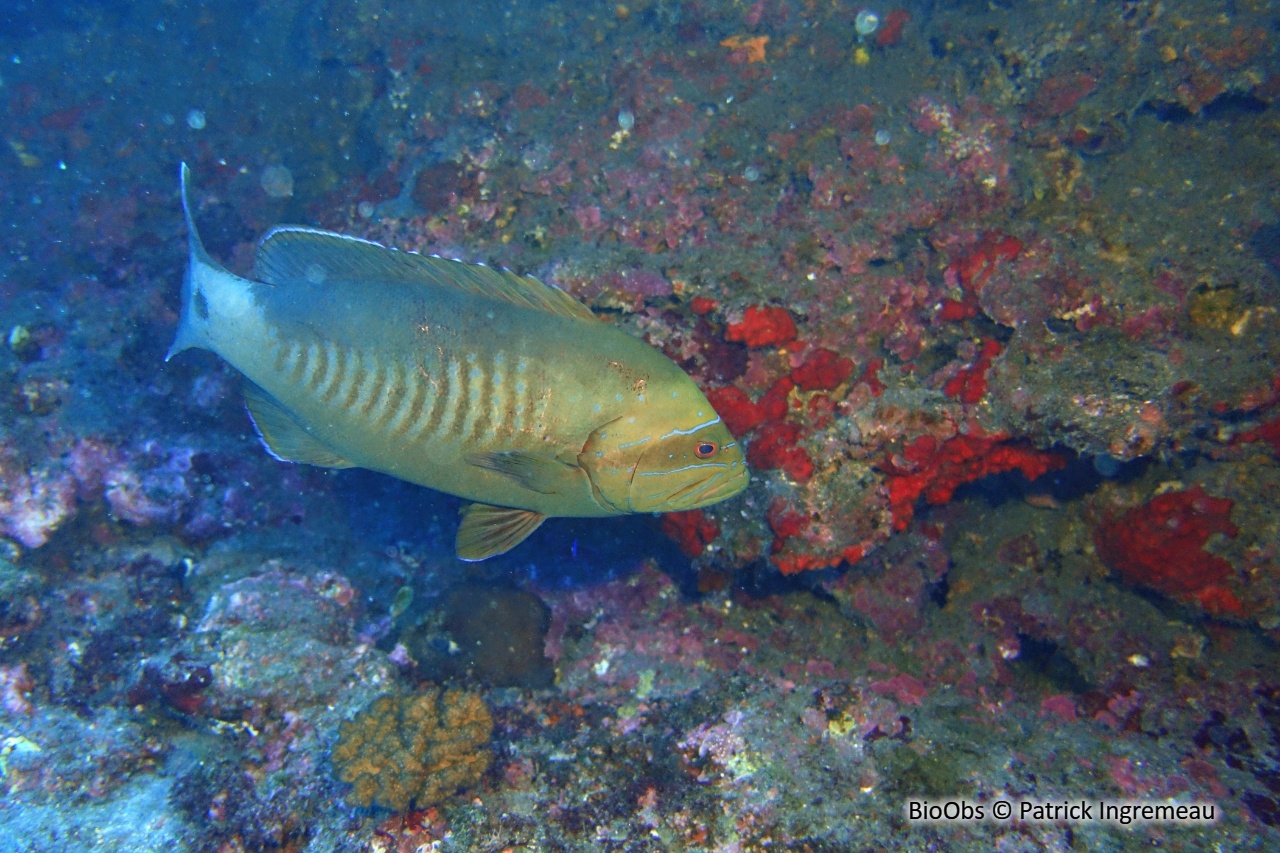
(292, 253)
(193, 236)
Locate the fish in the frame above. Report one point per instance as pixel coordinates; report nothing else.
(468, 379)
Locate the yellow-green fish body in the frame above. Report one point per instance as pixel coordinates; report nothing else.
(473, 381)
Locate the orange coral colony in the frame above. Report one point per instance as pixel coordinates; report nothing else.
(417, 749)
(750, 47)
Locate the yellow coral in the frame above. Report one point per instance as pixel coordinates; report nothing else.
(419, 748)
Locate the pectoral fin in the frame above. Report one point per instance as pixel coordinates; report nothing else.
(543, 474)
(282, 436)
(487, 531)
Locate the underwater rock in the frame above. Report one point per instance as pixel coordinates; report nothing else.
(501, 633)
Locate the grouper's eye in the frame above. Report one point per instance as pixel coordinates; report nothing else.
(705, 449)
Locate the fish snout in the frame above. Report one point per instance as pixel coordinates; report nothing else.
(688, 488)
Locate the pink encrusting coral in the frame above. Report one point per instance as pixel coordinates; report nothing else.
(34, 503)
(153, 492)
(15, 690)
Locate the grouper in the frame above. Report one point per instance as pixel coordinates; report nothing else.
(471, 380)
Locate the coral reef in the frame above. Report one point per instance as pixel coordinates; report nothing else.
(762, 326)
(1161, 545)
(232, 812)
(935, 469)
(416, 749)
(35, 500)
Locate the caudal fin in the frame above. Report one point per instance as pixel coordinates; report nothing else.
(191, 329)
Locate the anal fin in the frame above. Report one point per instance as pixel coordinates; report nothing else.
(281, 434)
(487, 531)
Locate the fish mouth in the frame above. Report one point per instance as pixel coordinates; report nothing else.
(702, 491)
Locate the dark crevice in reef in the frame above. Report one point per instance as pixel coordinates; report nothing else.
(1227, 106)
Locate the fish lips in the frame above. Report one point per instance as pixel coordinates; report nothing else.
(658, 489)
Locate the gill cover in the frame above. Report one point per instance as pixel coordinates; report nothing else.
(610, 457)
